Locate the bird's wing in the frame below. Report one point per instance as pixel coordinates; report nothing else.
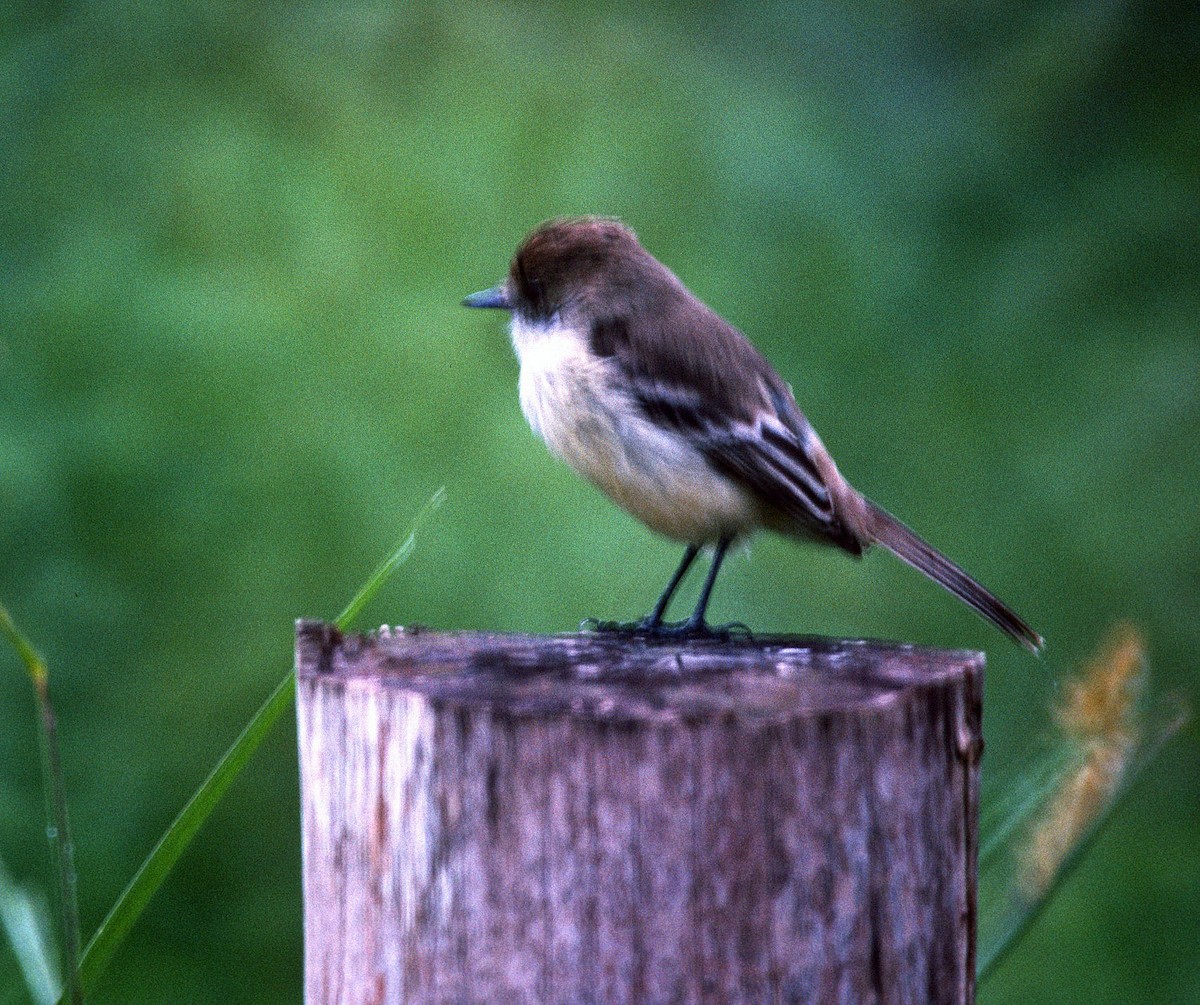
(764, 453)
(749, 428)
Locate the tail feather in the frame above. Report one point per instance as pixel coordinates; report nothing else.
(907, 546)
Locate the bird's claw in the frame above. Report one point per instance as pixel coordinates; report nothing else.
(625, 627)
(688, 629)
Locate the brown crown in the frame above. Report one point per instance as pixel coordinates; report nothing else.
(567, 256)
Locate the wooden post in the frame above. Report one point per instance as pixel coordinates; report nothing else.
(516, 819)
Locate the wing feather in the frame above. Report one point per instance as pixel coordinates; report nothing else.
(765, 455)
(694, 374)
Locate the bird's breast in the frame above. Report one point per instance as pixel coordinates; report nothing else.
(574, 400)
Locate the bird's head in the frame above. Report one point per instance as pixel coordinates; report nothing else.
(570, 263)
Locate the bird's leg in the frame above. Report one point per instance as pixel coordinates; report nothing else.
(696, 625)
(653, 621)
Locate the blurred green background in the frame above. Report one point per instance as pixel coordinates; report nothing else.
(233, 239)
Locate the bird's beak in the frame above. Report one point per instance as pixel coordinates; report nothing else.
(497, 297)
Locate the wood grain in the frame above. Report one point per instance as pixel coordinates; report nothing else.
(494, 818)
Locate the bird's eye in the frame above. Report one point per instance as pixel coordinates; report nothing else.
(537, 295)
(532, 289)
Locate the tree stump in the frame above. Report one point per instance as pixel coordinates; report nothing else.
(601, 818)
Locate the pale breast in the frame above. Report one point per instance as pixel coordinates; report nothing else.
(573, 401)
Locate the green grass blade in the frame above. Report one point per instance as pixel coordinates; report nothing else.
(129, 906)
(1006, 811)
(178, 836)
(389, 565)
(1012, 914)
(35, 666)
(55, 794)
(26, 921)
(1006, 912)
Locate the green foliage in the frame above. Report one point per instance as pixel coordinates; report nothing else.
(28, 940)
(158, 865)
(232, 359)
(118, 923)
(25, 920)
(1109, 726)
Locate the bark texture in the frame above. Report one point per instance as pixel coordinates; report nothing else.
(511, 819)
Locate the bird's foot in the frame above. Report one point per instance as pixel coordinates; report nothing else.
(692, 628)
(618, 627)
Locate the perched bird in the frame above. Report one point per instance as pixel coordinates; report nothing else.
(674, 415)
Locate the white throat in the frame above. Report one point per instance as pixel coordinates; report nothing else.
(575, 401)
(530, 335)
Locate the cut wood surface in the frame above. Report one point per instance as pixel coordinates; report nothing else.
(599, 818)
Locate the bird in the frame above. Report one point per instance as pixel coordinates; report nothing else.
(670, 411)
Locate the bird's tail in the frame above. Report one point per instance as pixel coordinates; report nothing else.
(907, 546)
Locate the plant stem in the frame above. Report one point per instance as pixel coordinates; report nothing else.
(54, 789)
(60, 836)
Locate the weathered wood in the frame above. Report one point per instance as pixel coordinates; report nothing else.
(512, 819)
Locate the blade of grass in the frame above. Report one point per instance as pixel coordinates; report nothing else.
(1007, 810)
(1105, 736)
(58, 827)
(1011, 914)
(389, 565)
(26, 921)
(146, 881)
